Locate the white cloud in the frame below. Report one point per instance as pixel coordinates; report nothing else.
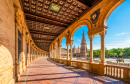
(120, 34)
(79, 40)
(118, 44)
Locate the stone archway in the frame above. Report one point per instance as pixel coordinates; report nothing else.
(6, 66)
(108, 10)
(79, 25)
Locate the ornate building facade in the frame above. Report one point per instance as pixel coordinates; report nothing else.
(81, 52)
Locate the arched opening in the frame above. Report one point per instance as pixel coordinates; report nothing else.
(63, 49)
(80, 47)
(117, 38)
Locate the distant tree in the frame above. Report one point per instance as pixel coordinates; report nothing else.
(114, 54)
(121, 54)
(106, 52)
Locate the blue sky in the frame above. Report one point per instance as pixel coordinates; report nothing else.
(118, 32)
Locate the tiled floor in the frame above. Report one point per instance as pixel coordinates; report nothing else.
(45, 71)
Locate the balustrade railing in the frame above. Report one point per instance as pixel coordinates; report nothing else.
(114, 71)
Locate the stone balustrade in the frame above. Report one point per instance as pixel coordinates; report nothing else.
(114, 71)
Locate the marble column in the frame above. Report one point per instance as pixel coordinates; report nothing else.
(102, 35)
(59, 56)
(67, 51)
(54, 51)
(71, 49)
(91, 48)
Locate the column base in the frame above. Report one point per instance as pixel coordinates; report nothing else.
(68, 62)
(103, 63)
(91, 61)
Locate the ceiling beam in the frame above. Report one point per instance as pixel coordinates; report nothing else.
(42, 42)
(62, 27)
(37, 17)
(42, 39)
(43, 32)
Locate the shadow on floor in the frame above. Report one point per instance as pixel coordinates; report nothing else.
(81, 74)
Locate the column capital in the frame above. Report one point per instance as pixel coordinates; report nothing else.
(91, 37)
(59, 46)
(103, 33)
(67, 44)
(71, 42)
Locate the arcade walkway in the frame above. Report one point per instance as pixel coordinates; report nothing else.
(45, 71)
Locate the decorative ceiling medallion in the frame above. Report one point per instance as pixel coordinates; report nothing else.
(59, 15)
(66, 14)
(46, 7)
(41, 0)
(45, 10)
(61, 2)
(68, 11)
(63, 9)
(66, 5)
(47, 28)
(61, 12)
(26, 8)
(39, 12)
(58, 18)
(71, 7)
(75, 9)
(70, 15)
(43, 36)
(33, 2)
(55, 8)
(77, 14)
(48, 15)
(79, 5)
(80, 11)
(55, 0)
(94, 16)
(33, 10)
(83, 7)
(55, 13)
(26, 4)
(33, 6)
(40, 4)
(69, 1)
(72, 12)
(47, 2)
(74, 3)
(44, 13)
(50, 12)
(39, 8)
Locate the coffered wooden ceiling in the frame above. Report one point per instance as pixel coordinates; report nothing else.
(46, 19)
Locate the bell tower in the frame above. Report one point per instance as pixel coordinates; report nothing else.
(83, 46)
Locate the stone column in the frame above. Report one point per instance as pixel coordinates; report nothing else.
(67, 51)
(28, 54)
(71, 49)
(102, 35)
(54, 53)
(51, 54)
(23, 54)
(91, 48)
(59, 50)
